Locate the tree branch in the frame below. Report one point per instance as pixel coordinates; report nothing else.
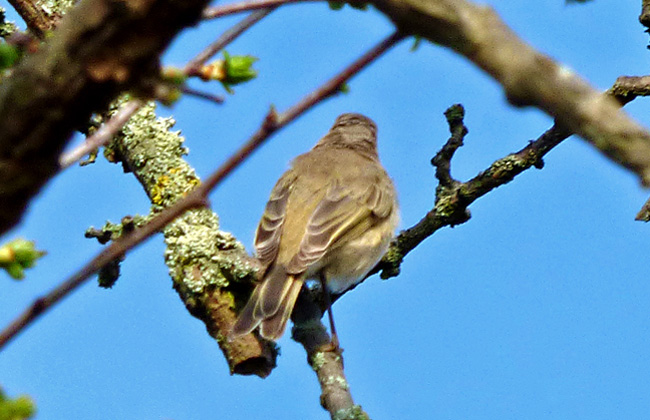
(528, 77)
(627, 88)
(325, 359)
(92, 56)
(203, 260)
(245, 6)
(453, 199)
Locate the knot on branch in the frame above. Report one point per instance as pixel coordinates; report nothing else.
(442, 159)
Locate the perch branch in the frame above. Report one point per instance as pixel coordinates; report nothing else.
(453, 199)
(325, 359)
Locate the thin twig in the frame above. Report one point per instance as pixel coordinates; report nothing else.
(196, 198)
(103, 135)
(452, 204)
(244, 6)
(203, 95)
(442, 160)
(225, 39)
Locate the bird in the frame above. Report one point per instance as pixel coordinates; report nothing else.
(330, 217)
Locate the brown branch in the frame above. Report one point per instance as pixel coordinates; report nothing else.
(194, 199)
(627, 88)
(325, 359)
(644, 214)
(452, 202)
(528, 77)
(217, 99)
(92, 56)
(103, 135)
(244, 6)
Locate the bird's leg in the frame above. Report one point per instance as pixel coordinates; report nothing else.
(328, 303)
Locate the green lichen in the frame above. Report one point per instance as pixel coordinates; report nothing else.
(111, 231)
(337, 380)
(154, 153)
(198, 254)
(191, 249)
(54, 7)
(317, 360)
(446, 205)
(353, 413)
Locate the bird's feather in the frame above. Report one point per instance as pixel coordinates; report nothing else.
(269, 230)
(273, 327)
(340, 214)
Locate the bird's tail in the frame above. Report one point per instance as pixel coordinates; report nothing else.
(270, 305)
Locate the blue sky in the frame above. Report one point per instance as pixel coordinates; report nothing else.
(534, 309)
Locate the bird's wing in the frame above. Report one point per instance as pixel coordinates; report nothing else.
(381, 200)
(269, 230)
(337, 214)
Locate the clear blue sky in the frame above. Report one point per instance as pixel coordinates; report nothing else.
(535, 309)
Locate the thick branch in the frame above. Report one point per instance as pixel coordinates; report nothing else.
(95, 53)
(528, 77)
(204, 262)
